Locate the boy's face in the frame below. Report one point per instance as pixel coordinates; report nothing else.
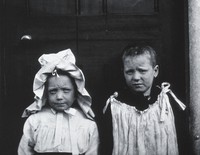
(60, 92)
(139, 73)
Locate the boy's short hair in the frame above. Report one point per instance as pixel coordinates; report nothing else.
(139, 50)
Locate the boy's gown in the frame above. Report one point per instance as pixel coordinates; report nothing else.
(148, 131)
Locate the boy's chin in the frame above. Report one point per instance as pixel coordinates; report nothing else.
(142, 91)
(137, 90)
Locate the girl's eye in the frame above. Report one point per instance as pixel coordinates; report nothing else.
(66, 90)
(52, 91)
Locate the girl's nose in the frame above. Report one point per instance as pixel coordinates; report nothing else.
(59, 95)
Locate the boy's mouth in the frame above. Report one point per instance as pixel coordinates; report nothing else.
(137, 84)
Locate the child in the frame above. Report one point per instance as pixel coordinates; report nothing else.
(60, 120)
(139, 118)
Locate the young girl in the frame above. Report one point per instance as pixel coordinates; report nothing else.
(139, 119)
(60, 120)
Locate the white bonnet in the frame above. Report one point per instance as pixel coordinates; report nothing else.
(65, 61)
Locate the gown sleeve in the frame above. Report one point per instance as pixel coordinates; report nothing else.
(94, 142)
(26, 144)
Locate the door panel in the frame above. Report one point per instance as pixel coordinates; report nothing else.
(132, 6)
(52, 7)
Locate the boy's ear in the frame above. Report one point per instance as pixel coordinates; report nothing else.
(156, 71)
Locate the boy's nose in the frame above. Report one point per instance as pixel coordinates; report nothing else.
(136, 76)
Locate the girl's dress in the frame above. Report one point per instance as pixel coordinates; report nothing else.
(148, 132)
(67, 132)
(73, 131)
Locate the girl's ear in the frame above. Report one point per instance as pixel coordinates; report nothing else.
(156, 71)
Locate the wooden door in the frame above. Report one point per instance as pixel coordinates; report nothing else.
(96, 31)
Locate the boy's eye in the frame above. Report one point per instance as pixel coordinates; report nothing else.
(142, 70)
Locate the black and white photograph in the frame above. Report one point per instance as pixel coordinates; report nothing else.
(99, 77)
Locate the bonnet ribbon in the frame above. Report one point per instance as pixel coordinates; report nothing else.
(72, 128)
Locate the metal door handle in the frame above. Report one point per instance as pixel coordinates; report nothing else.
(26, 37)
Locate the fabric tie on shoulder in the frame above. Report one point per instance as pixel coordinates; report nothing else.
(164, 101)
(109, 101)
(165, 88)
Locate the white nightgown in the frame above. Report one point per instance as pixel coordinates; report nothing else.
(148, 132)
(48, 131)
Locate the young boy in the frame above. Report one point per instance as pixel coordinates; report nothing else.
(60, 120)
(139, 119)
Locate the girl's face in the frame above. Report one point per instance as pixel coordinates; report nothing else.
(60, 92)
(139, 73)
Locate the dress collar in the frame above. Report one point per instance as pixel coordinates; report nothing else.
(71, 111)
(138, 100)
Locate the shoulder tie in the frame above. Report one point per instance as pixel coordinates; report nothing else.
(109, 101)
(164, 100)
